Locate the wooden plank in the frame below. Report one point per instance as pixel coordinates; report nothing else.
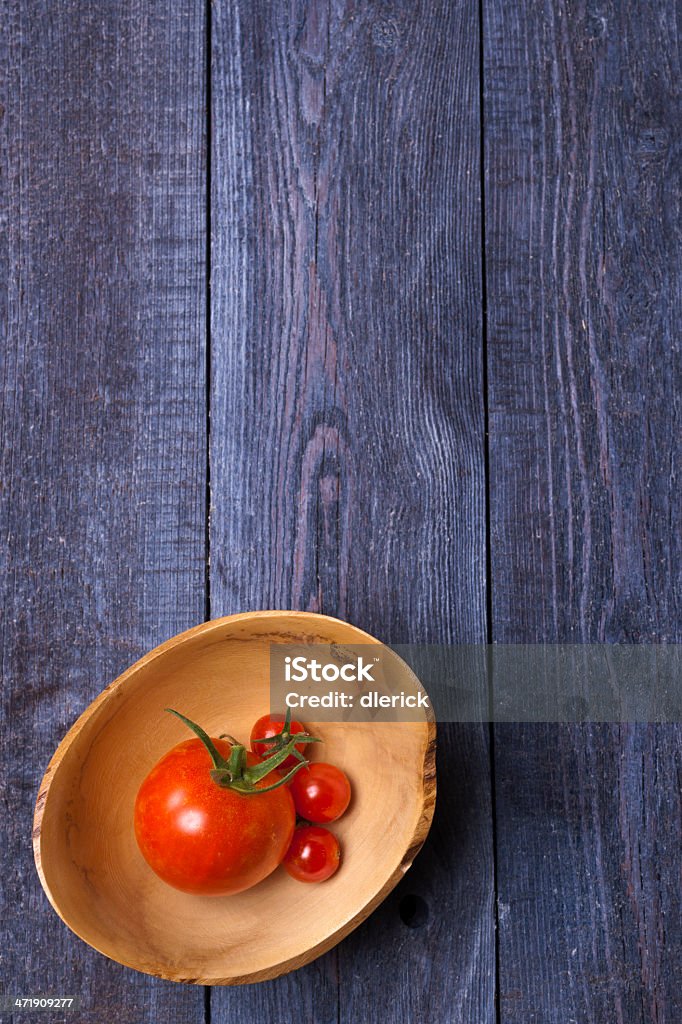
(103, 413)
(347, 469)
(581, 129)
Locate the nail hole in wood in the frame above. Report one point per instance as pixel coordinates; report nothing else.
(414, 911)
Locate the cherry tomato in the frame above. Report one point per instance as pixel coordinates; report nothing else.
(201, 837)
(321, 792)
(273, 725)
(314, 854)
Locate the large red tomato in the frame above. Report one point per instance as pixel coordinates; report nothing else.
(202, 836)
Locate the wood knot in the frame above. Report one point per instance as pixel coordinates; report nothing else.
(385, 36)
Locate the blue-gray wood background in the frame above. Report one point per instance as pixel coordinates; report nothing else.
(371, 309)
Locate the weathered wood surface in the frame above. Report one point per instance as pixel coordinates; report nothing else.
(583, 296)
(349, 359)
(347, 468)
(103, 418)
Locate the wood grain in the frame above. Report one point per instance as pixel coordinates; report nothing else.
(102, 392)
(346, 441)
(583, 295)
(347, 438)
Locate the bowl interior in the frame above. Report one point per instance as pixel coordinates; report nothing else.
(218, 675)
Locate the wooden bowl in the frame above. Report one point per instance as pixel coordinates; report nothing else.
(218, 675)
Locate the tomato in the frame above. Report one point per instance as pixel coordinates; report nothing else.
(321, 792)
(314, 854)
(208, 818)
(277, 725)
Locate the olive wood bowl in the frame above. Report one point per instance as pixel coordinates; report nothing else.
(218, 675)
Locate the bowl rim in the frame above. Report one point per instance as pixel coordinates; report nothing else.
(421, 830)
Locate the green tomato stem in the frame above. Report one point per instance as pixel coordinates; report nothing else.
(234, 773)
(282, 739)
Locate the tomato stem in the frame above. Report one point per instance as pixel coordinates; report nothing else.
(226, 736)
(281, 739)
(234, 773)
